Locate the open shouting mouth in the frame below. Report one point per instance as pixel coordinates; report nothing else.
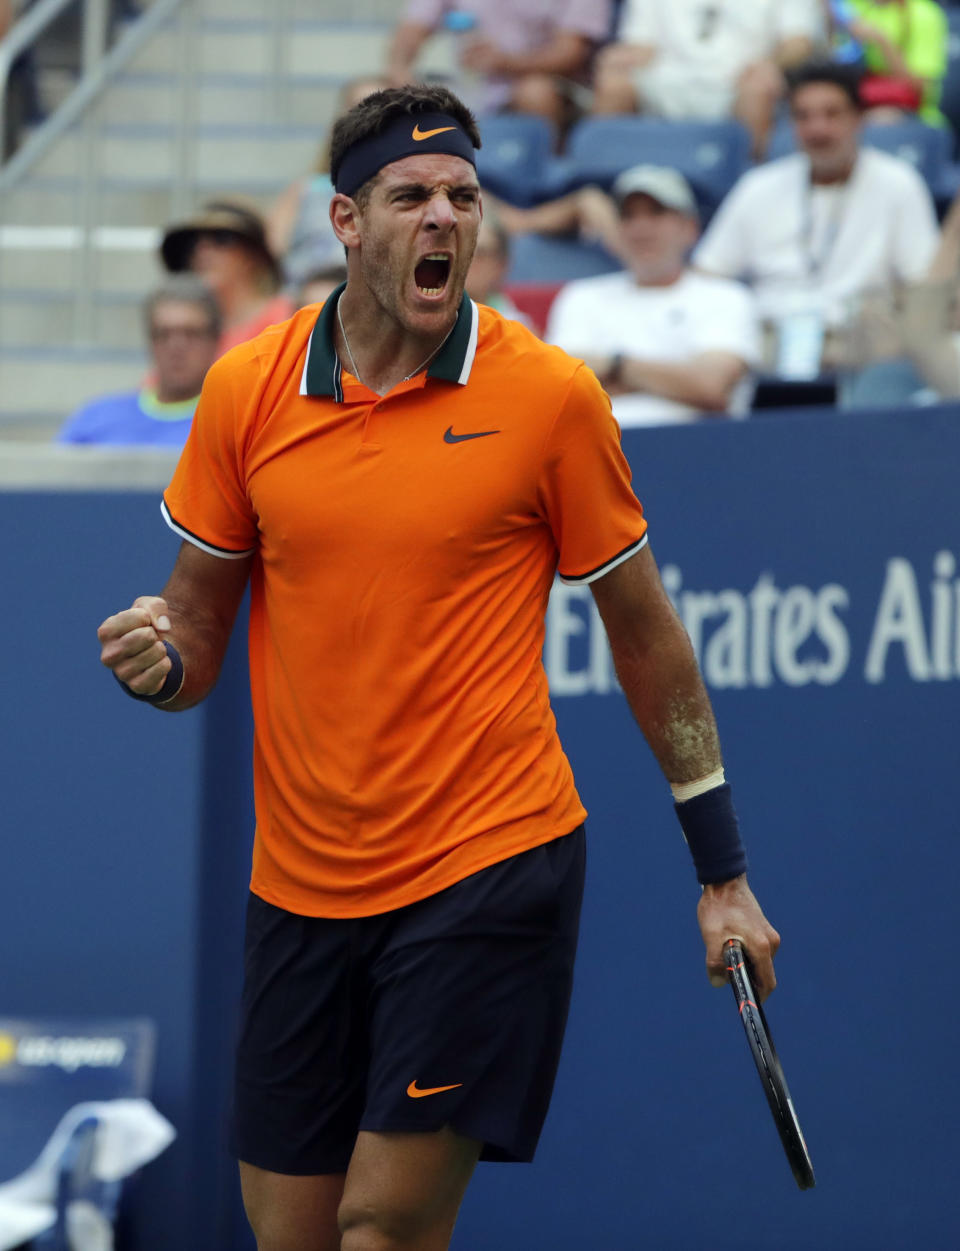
(432, 272)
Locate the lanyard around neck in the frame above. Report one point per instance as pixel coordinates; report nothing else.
(816, 263)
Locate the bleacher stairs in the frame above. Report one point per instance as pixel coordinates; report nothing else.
(228, 97)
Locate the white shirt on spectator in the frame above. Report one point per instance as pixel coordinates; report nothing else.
(810, 248)
(613, 313)
(703, 47)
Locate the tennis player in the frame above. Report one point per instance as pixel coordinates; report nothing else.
(399, 474)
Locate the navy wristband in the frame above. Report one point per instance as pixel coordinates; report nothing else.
(710, 826)
(171, 683)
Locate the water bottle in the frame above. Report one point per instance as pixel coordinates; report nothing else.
(843, 47)
(800, 336)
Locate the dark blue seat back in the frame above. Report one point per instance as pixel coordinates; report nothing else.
(516, 150)
(950, 90)
(710, 155)
(541, 258)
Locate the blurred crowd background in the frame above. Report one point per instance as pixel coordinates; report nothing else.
(725, 208)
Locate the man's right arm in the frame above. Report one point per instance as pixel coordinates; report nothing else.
(408, 38)
(194, 613)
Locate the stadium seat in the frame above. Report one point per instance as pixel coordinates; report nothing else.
(542, 259)
(516, 150)
(710, 155)
(60, 1084)
(950, 93)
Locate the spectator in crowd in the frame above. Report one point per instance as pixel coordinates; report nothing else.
(183, 323)
(904, 347)
(533, 56)
(813, 231)
(298, 223)
(488, 269)
(668, 344)
(317, 287)
(225, 245)
(686, 60)
(903, 46)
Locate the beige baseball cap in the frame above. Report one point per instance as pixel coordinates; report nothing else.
(660, 183)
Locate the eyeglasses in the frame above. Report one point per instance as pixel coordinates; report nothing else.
(193, 334)
(220, 238)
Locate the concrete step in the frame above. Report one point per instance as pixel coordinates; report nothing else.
(25, 428)
(31, 320)
(260, 48)
(58, 271)
(386, 12)
(51, 384)
(57, 201)
(222, 99)
(150, 154)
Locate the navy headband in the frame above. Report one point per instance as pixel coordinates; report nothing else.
(407, 135)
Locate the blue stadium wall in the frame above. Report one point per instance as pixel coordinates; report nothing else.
(814, 558)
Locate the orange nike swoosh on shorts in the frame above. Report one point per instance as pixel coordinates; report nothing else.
(414, 1091)
(419, 134)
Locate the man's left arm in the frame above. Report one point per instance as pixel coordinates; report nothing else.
(660, 677)
(705, 381)
(566, 53)
(801, 30)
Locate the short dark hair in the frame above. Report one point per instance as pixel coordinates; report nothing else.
(847, 77)
(184, 289)
(374, 113)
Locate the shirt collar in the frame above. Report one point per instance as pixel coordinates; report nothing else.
(322, 371)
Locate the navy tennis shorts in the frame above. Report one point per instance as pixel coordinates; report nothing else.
(448, 1012)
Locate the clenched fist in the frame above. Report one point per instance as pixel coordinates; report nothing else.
(131, 644)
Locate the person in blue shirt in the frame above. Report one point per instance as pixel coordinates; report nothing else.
(183, 325)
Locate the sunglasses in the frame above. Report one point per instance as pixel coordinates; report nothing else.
(220, 238)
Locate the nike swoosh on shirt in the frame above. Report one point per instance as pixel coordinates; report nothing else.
(414, 1091)
(419, 134)
(450, 437)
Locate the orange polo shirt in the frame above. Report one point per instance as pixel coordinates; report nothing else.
(405, 547)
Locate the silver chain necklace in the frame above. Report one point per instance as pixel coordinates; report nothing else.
(353, 363)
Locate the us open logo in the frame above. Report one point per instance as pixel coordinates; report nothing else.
(63, 1052)
(8, 1049)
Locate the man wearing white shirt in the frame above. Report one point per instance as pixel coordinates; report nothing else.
(814, 231)
(706, 59)
(668, 344)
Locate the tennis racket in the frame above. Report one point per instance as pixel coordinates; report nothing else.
(768, 1065)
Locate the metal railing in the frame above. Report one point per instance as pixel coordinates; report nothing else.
(97, 66)
(37, 19)
(100, 64)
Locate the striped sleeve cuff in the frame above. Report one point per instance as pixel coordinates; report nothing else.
(225, 553)
(581, 579)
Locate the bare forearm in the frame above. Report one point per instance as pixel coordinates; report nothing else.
(658, 670)
(663, 687)
(201, 638)
(565, 54)
(406, 43)
(686, 382)
(793, 51)
(938, 364)
(946, 259)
